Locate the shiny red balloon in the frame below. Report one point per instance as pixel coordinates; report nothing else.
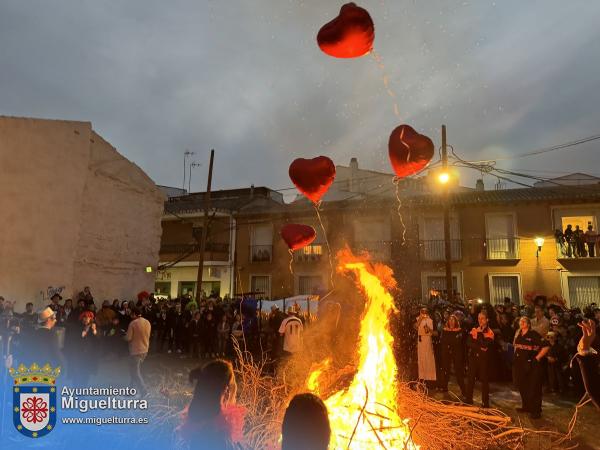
(312, 177)
(349, 35)
(409, 151)
(297, 235)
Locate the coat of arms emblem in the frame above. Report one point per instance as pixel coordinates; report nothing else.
(34, 399)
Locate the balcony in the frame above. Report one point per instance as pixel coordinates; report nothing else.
(435, 250)
(378, 250)
(261, 253)
(502, 248)
(310, 253)
(574, 251)
(215, 251)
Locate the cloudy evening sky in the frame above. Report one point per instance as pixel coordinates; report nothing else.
(246, 77)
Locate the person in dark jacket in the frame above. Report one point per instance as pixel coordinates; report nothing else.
(479, 342)
(45, 348)
(452, 348)
(589, 362)
(194, 330)
(530, 349)
(175, 328)
(85, 356)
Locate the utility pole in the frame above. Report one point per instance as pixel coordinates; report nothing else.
(204, 230)
(446, 201)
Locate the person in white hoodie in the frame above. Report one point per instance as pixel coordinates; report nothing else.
(138, 336)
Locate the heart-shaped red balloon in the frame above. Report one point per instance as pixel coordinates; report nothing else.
(349, 35)
(312, 177)
(297, 235)
(409, 151)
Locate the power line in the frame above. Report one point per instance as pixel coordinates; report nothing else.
(546, 149)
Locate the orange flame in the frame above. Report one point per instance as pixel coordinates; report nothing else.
(364, 415)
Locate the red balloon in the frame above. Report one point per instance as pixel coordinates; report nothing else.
(297, 235)
(409, 151)
(312, 177)
(349, 35)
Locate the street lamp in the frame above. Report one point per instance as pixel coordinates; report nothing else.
(539, 241)
(444, 177)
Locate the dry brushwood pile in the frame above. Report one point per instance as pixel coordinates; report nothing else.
(434, 424)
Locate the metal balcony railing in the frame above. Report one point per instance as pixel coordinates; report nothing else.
(261, 253)
(502, 248)
(378, 250)
(180, 249)
(310, 253)
(435, 249)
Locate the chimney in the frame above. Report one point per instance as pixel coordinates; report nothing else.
(354, 184)
(479, 185)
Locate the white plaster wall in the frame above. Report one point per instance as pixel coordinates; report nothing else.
(120, 226)
(73, 212)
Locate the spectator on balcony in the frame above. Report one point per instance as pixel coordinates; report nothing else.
(569, 237)
(579, 241)
(591, 237)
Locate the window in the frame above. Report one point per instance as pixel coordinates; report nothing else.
(431, 234)
(162, 288)
(501, 241)
(211, 288)
(374, 236)
(309, 284)
(583, 290)
(187, 288)
(502, 286)
(313, 252)
(261, 243)
(432, 282)
(574, 242)
(261, 285)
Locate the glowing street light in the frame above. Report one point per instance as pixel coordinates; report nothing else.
(444, 177)
(539, 241)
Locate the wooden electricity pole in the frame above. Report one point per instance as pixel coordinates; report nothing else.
(446, 201)
(204, 230)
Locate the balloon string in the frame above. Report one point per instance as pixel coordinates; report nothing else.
(397, 183)
(291, 260)
(386, 81)
(317, 205)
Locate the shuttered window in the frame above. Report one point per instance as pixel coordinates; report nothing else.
(261, 284)
(309, 285)
(583, 290)
(503, 286)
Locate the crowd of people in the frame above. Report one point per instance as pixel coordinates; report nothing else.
(577, 243)
(531, 346)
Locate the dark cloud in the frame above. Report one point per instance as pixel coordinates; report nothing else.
(247, 79)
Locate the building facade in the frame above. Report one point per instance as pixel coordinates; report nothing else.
(496, 239)
(75, 213)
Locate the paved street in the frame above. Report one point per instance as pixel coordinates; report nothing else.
(557, 410)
